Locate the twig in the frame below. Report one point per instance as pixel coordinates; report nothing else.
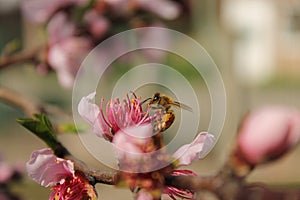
(27, 105)
(22, 57)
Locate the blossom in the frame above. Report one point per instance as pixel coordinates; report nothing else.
(165, 9)
(117, 115)
(6, 172)
(76, 188)
(9, 172)
(137, 151)
(144, 195)
(59, 174)
(143, 165)
(65, 51)
(195, 150)
(267, 133)
(48, 170)
(38, 11)
(98, 25)
(174, 192)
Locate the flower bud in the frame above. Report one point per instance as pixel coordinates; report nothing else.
(268, 133)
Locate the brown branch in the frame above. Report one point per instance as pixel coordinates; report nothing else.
(22, 57)
(105, 177)
(27, 105)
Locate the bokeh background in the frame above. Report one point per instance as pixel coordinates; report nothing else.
(254, 43)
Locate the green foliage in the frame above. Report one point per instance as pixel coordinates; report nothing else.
(69, 128)
(41, 127)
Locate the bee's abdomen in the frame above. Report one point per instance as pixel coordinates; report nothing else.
(168, 119)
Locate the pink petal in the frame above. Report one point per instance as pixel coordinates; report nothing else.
(6, 172)
(165, 9)
(90, 112)
(155, 37)
(39, 11)
(196, 150)
(143, 195)
(127, 141)
(97, 24)
(46, 169)
(59, 28)
(268, 133)
(65, 58)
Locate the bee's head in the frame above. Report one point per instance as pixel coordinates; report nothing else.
(155, 99)
(152, 100)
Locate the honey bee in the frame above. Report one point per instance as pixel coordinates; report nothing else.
(164, 103)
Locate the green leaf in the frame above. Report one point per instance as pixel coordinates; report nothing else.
(41, 127)
(68, 128)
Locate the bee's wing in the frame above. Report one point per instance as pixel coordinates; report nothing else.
(183, 106)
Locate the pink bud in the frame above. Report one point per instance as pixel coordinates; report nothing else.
(267, 133)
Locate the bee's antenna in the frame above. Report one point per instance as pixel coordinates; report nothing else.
(146, 100)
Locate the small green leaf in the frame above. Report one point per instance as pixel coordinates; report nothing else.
(68, 128)
(41, 127)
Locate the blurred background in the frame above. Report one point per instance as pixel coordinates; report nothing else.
(254, 43)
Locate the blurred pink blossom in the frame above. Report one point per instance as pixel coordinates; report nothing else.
(65, 58)
(268, 132)
(39, 11)
(10, 172)
(48, 170)
(65, 51)
(98, 25)
(165, 9)
(6, 172)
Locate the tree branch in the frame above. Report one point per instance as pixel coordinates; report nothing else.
(27, 105)
(22, 57)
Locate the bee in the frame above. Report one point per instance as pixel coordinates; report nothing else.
(164, 103)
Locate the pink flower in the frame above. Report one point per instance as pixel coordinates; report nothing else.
(66, 51)
(66, 183)
(117, 115)
(196, 150)
(140, 161)
(165, 9)
(144, 195)
(65, 58)
(76, 188)
(38, 11)
(97, 24)
(174, 192)
(267, 133)
(6, 172)
(136, 150)
(48, 170)
(9, 172)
